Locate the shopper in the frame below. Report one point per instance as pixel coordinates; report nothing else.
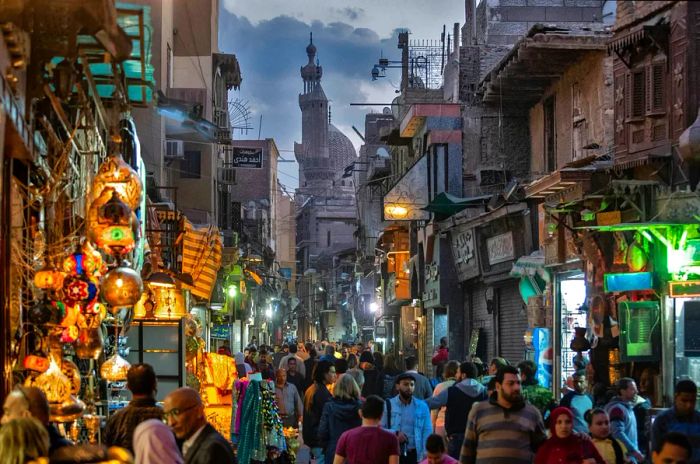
(340, 414)
(22, 440)
(359, 377)
(537, 395)
(440, 358)
(369, 443)
(681, 417)
(494, 366)
(154, 443)
(374, 381)
(279, 354)
(435, 451)
(564, 445)
(505, 428)
(141, 382)
(437, 416)
(673, 448)
(201, 443)
(622, 419)
(409, 417)
(315, 398)
(610, 448)
(391, 370)
(579, 401)
(291, 409)
(423, 390)
(458, 401)
(294, 377)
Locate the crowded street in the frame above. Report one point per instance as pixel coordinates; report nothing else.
(322, 232)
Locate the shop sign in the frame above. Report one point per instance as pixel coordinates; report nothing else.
(251, 158)
(221, 331)
(500, 248)
(380, 331)
(609, 218)
(464, 253)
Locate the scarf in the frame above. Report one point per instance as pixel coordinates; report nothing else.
(154, 443)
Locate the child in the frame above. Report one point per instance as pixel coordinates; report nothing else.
(612, 451)
(435, 446)
(565, 446)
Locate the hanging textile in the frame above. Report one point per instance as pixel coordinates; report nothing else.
(201, 257)
(250, 433)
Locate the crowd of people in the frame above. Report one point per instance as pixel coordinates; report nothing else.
(354, 405)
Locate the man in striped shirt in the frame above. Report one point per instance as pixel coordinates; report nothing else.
(504, 429)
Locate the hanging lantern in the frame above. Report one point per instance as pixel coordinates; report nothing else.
(79, 263)
(79, 289)
(111, 224)
(580, 343)
(66, 411)
(53, 383)
(48, 278)
(115, 173)
(89, 344)
(121, 287)
(115, 369)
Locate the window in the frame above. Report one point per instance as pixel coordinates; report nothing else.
(550, 139)
(657, 98)
(328, 238)
(638, 93)
(169, 67)
(191, 166)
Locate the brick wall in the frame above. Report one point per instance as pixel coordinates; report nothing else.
(629, 12)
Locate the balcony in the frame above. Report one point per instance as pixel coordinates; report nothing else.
(226, 174)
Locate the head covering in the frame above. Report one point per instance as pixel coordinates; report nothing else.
(555, 414)
(154, 443)
(239, 357)
(404, 376)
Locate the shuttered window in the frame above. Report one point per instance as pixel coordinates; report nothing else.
(656, 87)
(638, 93)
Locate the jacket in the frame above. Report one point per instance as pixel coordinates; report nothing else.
(315, 399)
(457, 412)
(120, 426)
(210, 448)
(441, 356)
(623, 423)
(374, 381)
(422, 426)
(669, 421)
(337, 417)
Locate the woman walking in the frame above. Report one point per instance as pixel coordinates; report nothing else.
(339, 414)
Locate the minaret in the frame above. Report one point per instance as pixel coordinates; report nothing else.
(312, 153)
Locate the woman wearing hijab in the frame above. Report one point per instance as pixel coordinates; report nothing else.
(154, 443)
(374, 381)
(565, 446)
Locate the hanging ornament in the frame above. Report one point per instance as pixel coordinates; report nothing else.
(54, 383)
(40, 313)
(89, 344)
(121, 287)
(115, 173)
(637, 257)
(111, 224)
(79, 289)
(80, 263)
(115, 369)
(66, 411)
(48, 278)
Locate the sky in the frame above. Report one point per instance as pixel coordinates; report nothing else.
(269, 39)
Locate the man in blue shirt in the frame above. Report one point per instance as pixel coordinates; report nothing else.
(578, 401)
(409, 418)
(682, 418)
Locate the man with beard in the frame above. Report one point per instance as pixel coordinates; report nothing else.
(409, 418)
(505, 428)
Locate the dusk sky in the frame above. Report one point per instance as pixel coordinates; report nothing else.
(269, 38)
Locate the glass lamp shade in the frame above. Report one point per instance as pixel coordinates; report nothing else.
(115, 369)
(121, 287)
(79, 289)
(54, 383)
(115, 173)
(89, 344)
(79, 263)
(66, 411)
(48, 278)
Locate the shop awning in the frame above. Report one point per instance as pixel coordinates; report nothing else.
(446, 204)
(530, 265)
(201, 257)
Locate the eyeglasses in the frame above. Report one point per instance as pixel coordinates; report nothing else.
(175, 412)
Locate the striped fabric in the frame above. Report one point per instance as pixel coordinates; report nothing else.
(201, 257)
(495, 435)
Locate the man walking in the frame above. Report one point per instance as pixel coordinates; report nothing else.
(458, 401)
(294, 377)
(293, 354)
(623, 423)
(505, 428)
(682, 418)
(578, 401)
(141, 382)
(423, 390)
(279, 354)
(368, 444)
(409, 418)
(201, 443)
(288, 400)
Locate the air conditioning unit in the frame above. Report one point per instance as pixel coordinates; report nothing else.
(174, 150)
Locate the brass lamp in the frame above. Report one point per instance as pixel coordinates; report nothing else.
(121, 287)
(116, 173)
(115, 368)
(48, 278)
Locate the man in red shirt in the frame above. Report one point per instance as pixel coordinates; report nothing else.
(369, 443)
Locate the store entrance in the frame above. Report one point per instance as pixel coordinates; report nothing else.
(571, 296)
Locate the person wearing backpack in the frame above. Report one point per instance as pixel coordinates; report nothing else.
(458, 401)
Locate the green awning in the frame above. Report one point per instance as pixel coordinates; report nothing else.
(446, 204)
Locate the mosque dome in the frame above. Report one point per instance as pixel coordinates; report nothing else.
(340, 148)
(311, 49)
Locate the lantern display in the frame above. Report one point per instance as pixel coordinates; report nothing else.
(80, 263)
(48, 278)
(54, 383)
(116, 174)
(66, 411)
(79, 289)
(161, 302)
(121, 287)
(112, 225)
(89, 344)
(115, 369)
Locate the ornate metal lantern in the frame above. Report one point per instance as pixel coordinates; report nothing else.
(121, 287)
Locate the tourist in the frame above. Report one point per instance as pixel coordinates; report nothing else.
(154, 443)
(315, 398)
(435, 451)
(672, 448)
(242, 367)
(340, 414)
(409, 417)
(579, 401)
(359, 377)
(374, 381)
(423, 390)
(609, 448)
(369, 443)
(505, 428)
(328, 353)
(352, 361)
(437, 416)
(565, 445)
(458, 400)
(494, 366)
(291, 409)
(681, 417)
(201, 443)
(622, 419)
(141, 382)
(22, 440)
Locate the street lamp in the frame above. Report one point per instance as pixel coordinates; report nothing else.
(373, 307)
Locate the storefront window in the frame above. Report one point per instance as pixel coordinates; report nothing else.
(687, 338)
(572, 290)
